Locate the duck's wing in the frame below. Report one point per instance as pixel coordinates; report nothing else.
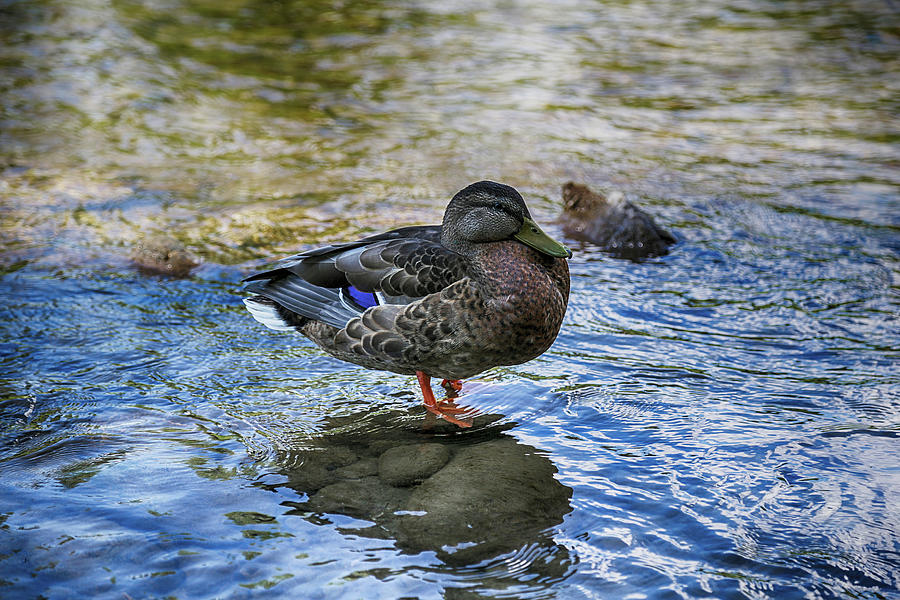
(336, 283)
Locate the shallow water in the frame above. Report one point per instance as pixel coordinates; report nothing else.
(721, 422)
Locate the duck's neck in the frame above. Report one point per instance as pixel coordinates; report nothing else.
(511, 270)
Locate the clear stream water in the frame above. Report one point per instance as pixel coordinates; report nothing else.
(721, 422)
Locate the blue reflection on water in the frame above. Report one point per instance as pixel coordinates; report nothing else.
(719, 438)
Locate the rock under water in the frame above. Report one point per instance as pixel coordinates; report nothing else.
(466, 496)
(612, 222)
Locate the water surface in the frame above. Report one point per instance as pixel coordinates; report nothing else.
(721, 422)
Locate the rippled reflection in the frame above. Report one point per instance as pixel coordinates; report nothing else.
(482, 502)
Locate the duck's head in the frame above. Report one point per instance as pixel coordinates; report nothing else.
(491, 212)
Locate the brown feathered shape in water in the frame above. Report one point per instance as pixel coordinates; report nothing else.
(616, 225)
(485, 288)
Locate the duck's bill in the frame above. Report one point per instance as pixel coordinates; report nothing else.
(531, 235)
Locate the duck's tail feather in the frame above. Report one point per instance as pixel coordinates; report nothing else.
(297, 298)
(266, 312)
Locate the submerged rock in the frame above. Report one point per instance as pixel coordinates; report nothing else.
(611, 222)
(466, 495)
(359, 469)
(367, 498)
(318, 468)
(406, 465)
(163, 256)
(491, 497)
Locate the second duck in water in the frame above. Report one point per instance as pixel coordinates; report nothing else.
(485, 288)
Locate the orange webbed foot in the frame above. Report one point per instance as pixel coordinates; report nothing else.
(451, 407)
(444, 408)
(452, 384)
(445, 411)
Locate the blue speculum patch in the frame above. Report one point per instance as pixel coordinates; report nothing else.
(363, 299)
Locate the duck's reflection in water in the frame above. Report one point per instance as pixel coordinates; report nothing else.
(473, 497)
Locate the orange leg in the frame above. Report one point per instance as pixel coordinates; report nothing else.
(452, 384)
(442, 409)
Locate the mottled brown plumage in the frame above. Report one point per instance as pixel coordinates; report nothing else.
(485, 288)
(506, 312)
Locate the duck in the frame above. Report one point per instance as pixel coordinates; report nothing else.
(485, 288)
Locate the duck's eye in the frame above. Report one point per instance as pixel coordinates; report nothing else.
(497, 206)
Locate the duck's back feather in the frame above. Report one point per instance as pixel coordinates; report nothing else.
(398, 266)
